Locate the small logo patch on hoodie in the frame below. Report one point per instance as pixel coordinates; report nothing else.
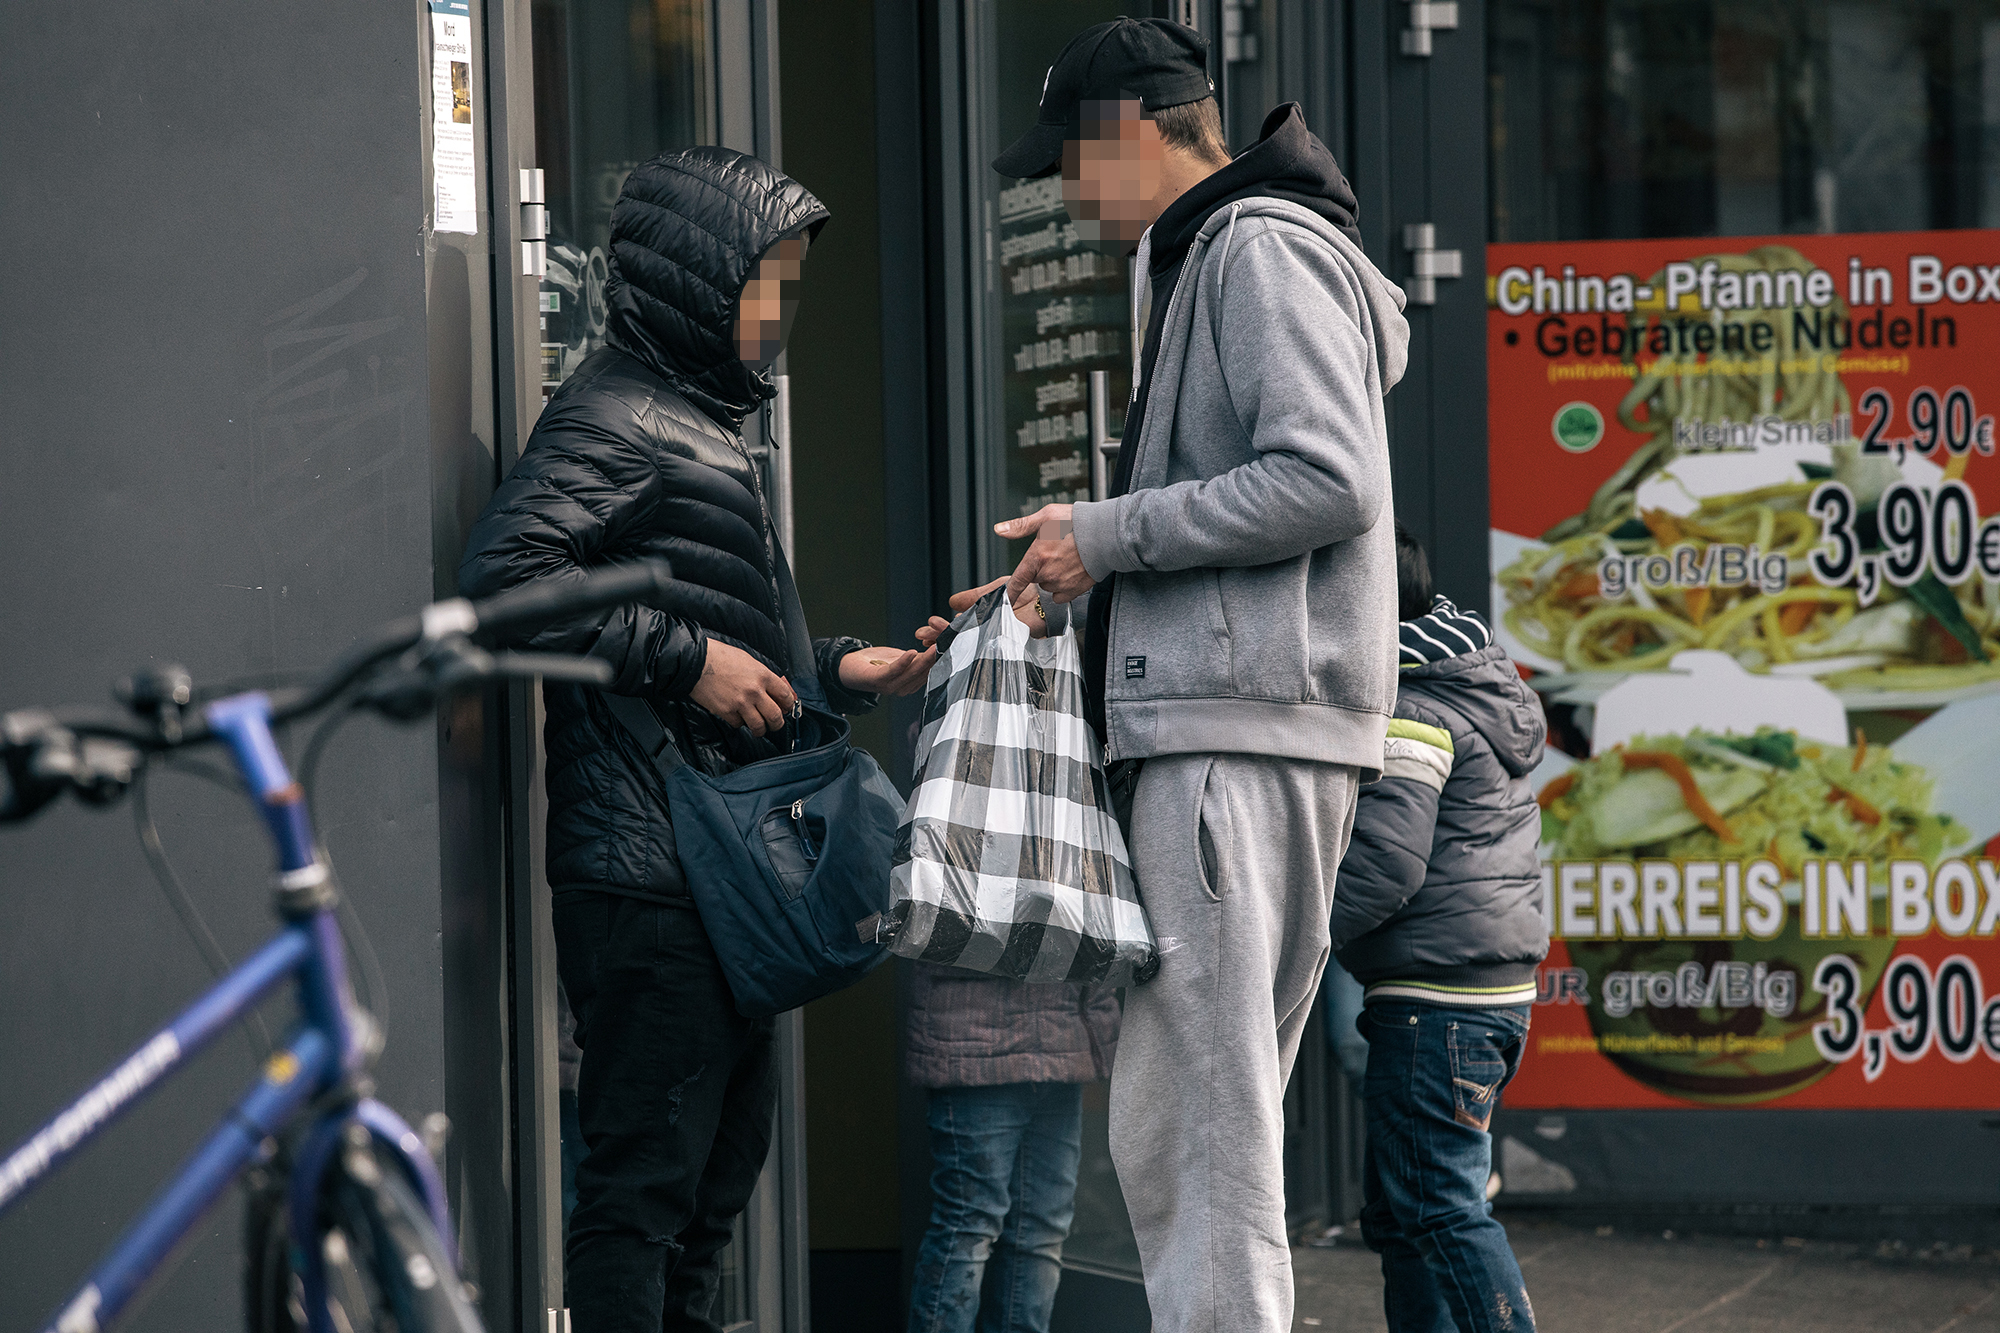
(1135, 668)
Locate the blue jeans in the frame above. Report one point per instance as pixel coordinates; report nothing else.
(1003, 1187)
(1434, 1077)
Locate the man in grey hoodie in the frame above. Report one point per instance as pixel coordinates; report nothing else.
(1242, 588)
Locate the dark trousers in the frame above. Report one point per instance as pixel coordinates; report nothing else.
(1434, 1077)
(675, 1099)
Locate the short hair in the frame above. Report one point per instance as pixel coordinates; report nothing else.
(1193, 127)
(1414, 594)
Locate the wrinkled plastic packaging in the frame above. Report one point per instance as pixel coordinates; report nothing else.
(1009, 860)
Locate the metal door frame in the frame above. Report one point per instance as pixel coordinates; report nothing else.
(1419, 155)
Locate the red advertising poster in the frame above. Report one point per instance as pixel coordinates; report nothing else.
(1746, 546)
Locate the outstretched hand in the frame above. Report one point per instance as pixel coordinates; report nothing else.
(1051, 571)
(886, 670)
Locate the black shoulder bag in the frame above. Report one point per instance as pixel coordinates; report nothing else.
(784, 855)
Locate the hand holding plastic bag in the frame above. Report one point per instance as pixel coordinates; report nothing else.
(1009, 860)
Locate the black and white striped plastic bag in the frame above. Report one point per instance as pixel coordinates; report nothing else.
(1009, 860)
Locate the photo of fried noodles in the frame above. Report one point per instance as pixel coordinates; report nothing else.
(1773, 615)
(1787, 381)
(1923, 637)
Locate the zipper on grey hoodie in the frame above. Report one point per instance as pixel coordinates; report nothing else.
(1117, 589)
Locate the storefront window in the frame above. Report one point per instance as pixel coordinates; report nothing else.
(616, 82)
(1057, 308)
(1642, 118)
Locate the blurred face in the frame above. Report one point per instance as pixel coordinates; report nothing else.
(1112, 172)
(770, 299)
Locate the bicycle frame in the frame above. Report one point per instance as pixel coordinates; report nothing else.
(312, 1072)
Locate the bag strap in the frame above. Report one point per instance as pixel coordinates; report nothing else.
(792, 613)
(636, 715)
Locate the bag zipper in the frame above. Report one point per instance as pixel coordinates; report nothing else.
(806, 845)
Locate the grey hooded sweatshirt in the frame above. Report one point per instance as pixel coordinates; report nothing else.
(1254, 608)
(1439, 895)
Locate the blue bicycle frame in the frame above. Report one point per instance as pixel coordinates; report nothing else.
(311, 1074)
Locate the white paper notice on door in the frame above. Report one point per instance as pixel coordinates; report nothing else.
(451, 116)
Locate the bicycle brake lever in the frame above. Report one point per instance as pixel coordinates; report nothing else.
(406, 692)
(411, 689)
(105, 769)
(25, 736)
(42, 758)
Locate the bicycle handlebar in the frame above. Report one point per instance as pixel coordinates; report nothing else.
(504, 615)
(508, 615)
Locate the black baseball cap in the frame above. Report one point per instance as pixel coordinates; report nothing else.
(1160, 62)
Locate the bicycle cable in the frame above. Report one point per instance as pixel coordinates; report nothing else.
(316, 749)
(190, 915)
(374, 982)
(208, 773)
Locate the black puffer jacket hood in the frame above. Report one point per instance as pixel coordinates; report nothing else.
(637, 457)
(686, 234)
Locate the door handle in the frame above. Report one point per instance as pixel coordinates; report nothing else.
(1427, 17)
(1428, 263)
(781, 462)
(1103, 448)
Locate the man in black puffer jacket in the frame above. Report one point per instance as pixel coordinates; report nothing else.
(639, 455)
(1437, 913)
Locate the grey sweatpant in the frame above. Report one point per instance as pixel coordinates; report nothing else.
(1235, 856)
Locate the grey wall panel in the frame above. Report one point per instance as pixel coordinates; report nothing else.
(213, 449)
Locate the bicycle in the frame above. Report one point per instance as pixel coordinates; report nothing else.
(347, 1229)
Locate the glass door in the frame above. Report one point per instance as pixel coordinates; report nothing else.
(1048, 377)
(1619, 120)
(615, 83)
(1053, 365)
(1050, 351)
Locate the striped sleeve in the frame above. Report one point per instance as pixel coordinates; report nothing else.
(1417, 751)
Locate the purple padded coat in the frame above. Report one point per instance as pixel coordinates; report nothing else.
(969, 1030)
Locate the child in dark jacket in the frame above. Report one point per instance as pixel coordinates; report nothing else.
(1437, 913)
(1005, 1062)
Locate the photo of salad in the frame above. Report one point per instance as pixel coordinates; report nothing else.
(1703, 796)
(1710, 797)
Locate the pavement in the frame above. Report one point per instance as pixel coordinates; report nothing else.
(1604, 1280)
